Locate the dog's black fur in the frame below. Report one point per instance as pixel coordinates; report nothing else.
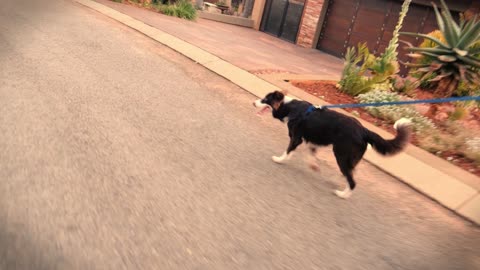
(324, 127)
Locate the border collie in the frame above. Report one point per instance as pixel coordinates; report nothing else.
(321, 127)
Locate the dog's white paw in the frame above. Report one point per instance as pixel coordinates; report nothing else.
(344, 194)
(279, 159)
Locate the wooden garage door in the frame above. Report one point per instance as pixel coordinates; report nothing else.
(349, 22)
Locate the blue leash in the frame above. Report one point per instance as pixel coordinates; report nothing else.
(405, 102)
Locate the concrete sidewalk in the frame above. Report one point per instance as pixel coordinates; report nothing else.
(253, 51)
(240, 54)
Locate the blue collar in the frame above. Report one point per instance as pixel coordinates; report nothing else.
(309, 110)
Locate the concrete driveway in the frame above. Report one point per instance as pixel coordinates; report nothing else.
(117, 153)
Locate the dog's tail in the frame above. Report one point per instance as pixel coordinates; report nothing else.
(395, 145)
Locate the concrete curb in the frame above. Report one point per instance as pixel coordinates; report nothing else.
(423, 173)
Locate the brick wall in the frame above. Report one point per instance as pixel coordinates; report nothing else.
(308, 26)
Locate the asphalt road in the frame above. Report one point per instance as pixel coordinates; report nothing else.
(117, 153)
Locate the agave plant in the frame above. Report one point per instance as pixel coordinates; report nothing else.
(455, 59)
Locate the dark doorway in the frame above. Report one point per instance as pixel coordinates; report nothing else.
(282, 18)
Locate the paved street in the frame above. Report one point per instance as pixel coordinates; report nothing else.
(117, 153)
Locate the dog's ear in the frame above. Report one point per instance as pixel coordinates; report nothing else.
(278, 96)
(277, 99)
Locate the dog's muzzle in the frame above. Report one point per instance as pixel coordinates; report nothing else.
(262, 106)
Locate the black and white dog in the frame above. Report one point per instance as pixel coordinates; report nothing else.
(321, 127)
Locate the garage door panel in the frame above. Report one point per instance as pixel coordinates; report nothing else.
(430, 23)
(416, 11)
(343, 8)
(382, 46)
(387, 35)
(392, 20)
(370, 17)
(375, 5)
(412, 26)
(334, 38)
(342, 14)
(429, 28)
(368, 31)
(355, 39)
(333, 33)
(348, 12)
(334, 47)
(341, 24)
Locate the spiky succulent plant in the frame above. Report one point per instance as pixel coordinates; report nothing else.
(455, 59)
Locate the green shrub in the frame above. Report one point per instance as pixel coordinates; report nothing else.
(473, 149)
(393, 113)
(186, 10)
(425, 81)
(181, 9)
(467, 89)
(457, 138)
(436, 142)
(169, 10)
(404, 85)
(355, 79)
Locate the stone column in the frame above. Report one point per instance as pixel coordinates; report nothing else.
(308, 27)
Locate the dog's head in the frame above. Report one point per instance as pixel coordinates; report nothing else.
(272, 101)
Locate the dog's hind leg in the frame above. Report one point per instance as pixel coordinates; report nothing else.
(312, 158)
(347, 192)
(282, 158)
(346, 162)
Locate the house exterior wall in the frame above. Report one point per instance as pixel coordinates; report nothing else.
(314, 14)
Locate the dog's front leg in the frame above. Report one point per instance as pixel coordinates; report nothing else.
(294, 143)
(282, 158)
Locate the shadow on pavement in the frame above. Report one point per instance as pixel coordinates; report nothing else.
(19, 252)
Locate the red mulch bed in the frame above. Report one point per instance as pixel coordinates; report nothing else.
(327, 91)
